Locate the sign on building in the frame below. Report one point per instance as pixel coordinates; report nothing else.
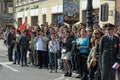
(71, 11)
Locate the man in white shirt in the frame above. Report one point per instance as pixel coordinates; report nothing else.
(41, 47)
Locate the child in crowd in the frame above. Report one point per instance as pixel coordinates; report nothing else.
(53, 51)
(17, 51)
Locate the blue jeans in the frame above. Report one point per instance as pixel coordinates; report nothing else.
(52, 59)
(73, 63)
(23, 55)
(17, 56)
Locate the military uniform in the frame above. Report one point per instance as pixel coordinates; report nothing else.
(109, 50)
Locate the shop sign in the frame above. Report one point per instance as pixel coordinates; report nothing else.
(57, 9)
(5, 16)
(35, 7)
(20, 14)
(34, 12)
(54, 9)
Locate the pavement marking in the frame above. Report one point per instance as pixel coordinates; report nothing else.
(5, 64)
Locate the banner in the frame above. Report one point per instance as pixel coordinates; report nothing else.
(22, 27)
(71, 11)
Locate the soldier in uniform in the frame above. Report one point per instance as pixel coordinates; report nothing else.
(108, 51)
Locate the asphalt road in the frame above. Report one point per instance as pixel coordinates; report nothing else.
(9, 71)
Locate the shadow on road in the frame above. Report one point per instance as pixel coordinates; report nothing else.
(1, 67)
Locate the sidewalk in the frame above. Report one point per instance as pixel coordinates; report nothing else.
(3, 47)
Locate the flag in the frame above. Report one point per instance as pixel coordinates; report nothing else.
(22, 27)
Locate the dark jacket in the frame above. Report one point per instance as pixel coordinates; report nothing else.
(11, 39)
(109, 49)
(17, 47)
(24, 42)
(68, 44)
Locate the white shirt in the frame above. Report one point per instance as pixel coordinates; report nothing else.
(53, 46)
(110, 37)
(39, 45)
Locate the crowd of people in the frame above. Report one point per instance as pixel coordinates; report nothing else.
(77, 48)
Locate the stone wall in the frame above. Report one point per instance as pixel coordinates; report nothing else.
(117, 15)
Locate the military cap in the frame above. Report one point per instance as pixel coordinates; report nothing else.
(109, 26)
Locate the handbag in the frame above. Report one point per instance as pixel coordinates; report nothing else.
(64, 51)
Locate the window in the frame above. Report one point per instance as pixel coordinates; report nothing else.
(104, 12)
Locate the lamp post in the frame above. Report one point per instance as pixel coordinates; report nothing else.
(89, 21)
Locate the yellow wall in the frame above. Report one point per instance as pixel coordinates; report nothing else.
(111, 18)
(48, 4)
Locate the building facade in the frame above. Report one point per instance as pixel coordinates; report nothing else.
(117, 15)
(6, 13)
(36, 12)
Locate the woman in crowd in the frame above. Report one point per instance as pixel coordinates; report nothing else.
(66, 53)
(92, 61)
(83, 46)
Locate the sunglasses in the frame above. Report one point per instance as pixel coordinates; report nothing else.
(110, 28)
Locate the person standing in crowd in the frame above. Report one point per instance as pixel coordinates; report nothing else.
(45, 40)
(24, 45)
(54, 48)
(89, 35)
(89, 32)
(10, 42)
(108, 50)
(17, 51)
(66, 53)
(41, 47)
(83, 46)
(92, 61)
(73, 55)
(103, 30)
(5, 36)
(35, 54)
(97, 27)
(31, 48)
(18, 34)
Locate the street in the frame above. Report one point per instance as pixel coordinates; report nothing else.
(9, 71)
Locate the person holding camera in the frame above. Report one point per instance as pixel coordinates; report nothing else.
(92, 61)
